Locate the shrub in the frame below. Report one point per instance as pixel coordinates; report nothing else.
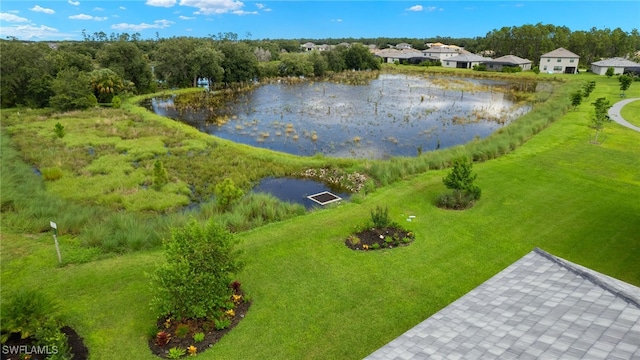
(160, 176)
(116, 102)
(176, 353)
(460, 180)
(222, 324)
(380, 217)
(226, 193)
(194, 282)
(59, 130)
(52, 173)
(198, 337)
(26, 312)
(182, 330)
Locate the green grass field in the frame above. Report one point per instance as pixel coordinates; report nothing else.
(313, 298)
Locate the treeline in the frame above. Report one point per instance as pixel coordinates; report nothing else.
(76, 75)
(531, 41)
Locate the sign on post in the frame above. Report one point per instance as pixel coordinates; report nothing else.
(54, 226)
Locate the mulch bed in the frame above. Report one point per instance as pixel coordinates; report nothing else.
(76, 344)
(207, 327)
(374, 238)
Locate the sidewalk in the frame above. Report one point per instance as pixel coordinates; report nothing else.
(614, 114)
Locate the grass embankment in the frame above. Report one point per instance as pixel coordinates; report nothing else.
(315, 298)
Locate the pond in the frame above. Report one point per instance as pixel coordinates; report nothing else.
(295, 190)
(393, 115)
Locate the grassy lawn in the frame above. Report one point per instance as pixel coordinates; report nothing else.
(631, 112)
(313, 298)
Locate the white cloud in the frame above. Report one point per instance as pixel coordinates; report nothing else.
(12, 18)
(158, 24)
(336, 20)
(434, 8)
(87, 17)
(182, 17)
(74, 3)
(415, 8)
(98, 9)
(209, 7)
(242, 12)
(39, 8)
(123, 8)
(161, 3)
(260, 6)
(29, 32)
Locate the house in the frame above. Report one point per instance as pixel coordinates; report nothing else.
(440, 52)
(464, 61)
(559, 61)
(618, 64)
(498, 64)
(308, 46)
(323, 47)
(403, 46)
(540, 307)
(411, 56)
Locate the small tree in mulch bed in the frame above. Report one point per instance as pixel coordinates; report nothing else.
(381, 233)
(197, 301)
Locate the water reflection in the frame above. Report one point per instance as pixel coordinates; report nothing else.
(395, 115)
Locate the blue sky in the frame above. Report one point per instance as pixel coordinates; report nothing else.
(264, 19)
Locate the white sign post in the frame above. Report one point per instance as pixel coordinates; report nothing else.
(54, 226)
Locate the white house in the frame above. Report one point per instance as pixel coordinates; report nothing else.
(464, 61)
(441, 52)
(559, 61)
(508, 61)
(618, 64)
(308, 46)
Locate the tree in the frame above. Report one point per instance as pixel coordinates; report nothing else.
(460, 180)
(72, 90)
(129, 62)
(319, 63)
(194, 281)
(576, 99)
(105, 84)
(226, 193)
(358, 57)
(625, 82)
(160, 176)
(295, 64)
(205, 62)
(588, 88)
(610, 72)
(600, 116)
(239, 63)
(25, 74)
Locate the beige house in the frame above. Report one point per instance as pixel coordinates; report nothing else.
(441, 52)
(618, 64)
(559, 61)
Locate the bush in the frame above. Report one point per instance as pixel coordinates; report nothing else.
(116, 102)
(380, 217)
(52, 173)
(194, 282)
(460, 180)
(26, 312)
(226, 193)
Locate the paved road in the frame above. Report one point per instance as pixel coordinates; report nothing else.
(614, 114)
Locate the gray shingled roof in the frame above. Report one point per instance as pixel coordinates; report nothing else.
(560, 53)
(616, 62)
(511, 59)
(541, 306)
(468, 57)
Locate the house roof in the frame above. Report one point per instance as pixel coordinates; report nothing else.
(541, 306)
(511, 59)
(616, 62)
(560, 53)
(468, 57)
(434, 50)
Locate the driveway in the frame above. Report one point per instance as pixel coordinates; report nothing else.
(614, 114)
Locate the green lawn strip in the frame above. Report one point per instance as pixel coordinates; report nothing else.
(315, 298)
(631, 112)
